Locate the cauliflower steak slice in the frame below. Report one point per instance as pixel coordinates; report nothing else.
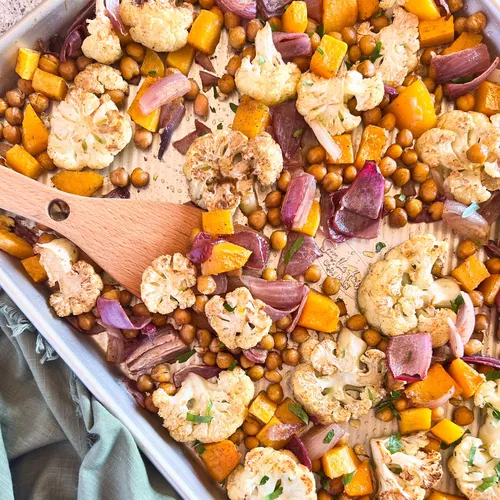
(203, 410)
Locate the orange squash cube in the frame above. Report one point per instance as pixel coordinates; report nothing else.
(149, 122)
(181, 59)
(425, 10)
(14, 245)
(252, 117)
(414, 420)
(18, 159)
(34, 269)
(79, 183)
(447, 431)
(344, 142)
(466, 377)
(436, 32)
(464, 41)
(320, 313)
(470, 273)
(217, 222)
(490, 287)
(367, 8)
(372, 144)
(313, 219)
(488, 98)
(35, 135)
(262, 407)
(27, 63)
(438, 495)
(361, 483)
(338, 14)
(339, 460)
(294, 19)
(205, 32)
(328, 57)
(152, 64)
(220, 459)
(53, 86)
(225, 257)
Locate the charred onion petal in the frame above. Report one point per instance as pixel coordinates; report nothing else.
(246, 9)
(182, 145)
(291, 45)
(296, 318)
(256, 355)
(454, 90)
(321, 438)
(112, 314)
(298, 201)
(278, 294)
(164, 90)
(257, 243)
(204, 61)
(482, 360)
(204, 371)
(301, 259)
(390, 91)
(296, 446)
(170, 118)
(72, 43)
(119, 192)
(466, 318)
(201, 248)
(208, 80)
(475, 226)
(353, 225)
(271, 8)
(409, 356)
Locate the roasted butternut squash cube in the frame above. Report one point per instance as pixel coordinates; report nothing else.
(414, 109)
(313, 219)
(220, 459)
(361, 483)
(252, 117)
(14, 245)
(470, 273)
(438, 495)
(217, 222)
(34, 269)
(285, 414)
(488, 98)
(372, 144)
(205, 32)
(79, 183)
(464, 41)
(294, 19)
(425, 10)
(490, 287)
(414, 420)
(447, 431)
(338, 461)
(27, 63)
(18, 159)
(328, 57)
(181, 59)
(320, 313)
(53, 86)
(344, 142)
(338, 14)
(225, 257)
(466, 377)
(35, 135)
(265, 440)
(149, 122)
(262, 407)
(367, 8)
(436, 32)
(152, 64)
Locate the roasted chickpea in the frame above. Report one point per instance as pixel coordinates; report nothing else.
(318, 171)
(354, 53)
(237, 37)
(372, 116)
(193, 91)
(389, 203)
(387, 166)
(477, 298)
(379, 22)
(182, 316)
(201, 105)
(129, 68)
(237, 437)
(210, 358)
(356, 322)
(401, 404)
(428, 191)
(284, 180)
(86, 321)
(313, 274)
(249, 52)
(349, 174)
(224, 360)
(331, 182)
(386, 100)
(466, 248)
(158, 319)
(427, 56)
(315, 155)
(460, 23)
(413, 208)
(299, 334)
(233, 65)
(204, 337)
(45, 161)
(385, 415)
(466, 102)
(278, 240)
(367, 45)
(257, 219)
(49, 63)
(409, 157)
(119, 177)
(284, 322)
(256, 372)
(267, 342)
(140, 309)
(4, 106)
(404, 138)
(68, 70)
(269, 274)
(273, 376)
(398, 218)
(231, 20)
(315, 41)
(143, 138)
(39, 102)
(273, 199)
(436, 210)
(187, 333)
(46, 238)
(82, 62)
(342, 307)
(388, 122)
(273, 360)
(253, 27)
(274, 217)
(401, 176)
(372, 337)
(161, 373)
(226, 84)
(207, 4)
(139, 178)
(463, 416)
(200, 302)
(14, 116)
(290, 357)
(482, 323)
(15, 98)
(145, 383)
(251, 442)
(366, 68)
(330, 285)
(117, 96)
(477, 153)
(148, 403)
(394, 151)
(349, 35)
(420, 172)
(251, 427)
(476, 23)
(275, 393)
(455, 5)
(12, 134)
(136, 51)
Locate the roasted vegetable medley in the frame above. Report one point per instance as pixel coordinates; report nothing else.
(347, 116)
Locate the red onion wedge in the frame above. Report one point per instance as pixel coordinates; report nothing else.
(288, 127)
(409, 356)
(182, 145)
(203, 60)
(390, 91)
(271, 8)
(352, 225)
(454, 90)
(115, 349)
(298, 201)
(120, 192)
(131, 387)
(246, 9)
(278, 294)
(456, 343)
(444, 7)
(441, 401)
(461, 64)
(257, 243)
(321, 438)
(296, 446)
(465, 318)
(299, 253)
(204, 371)
(256, 355)
(296, 318)
(291, 45)
(112, 11)
(282, 432)
(201, 249)
(72, 43)
(492, 249)
(490, 209)
(112, 314)
(315, 10)
(167, 89)
(208, 80)
(325, 139)
(482, 360)
(475, 226)
(328, 203)
(170, 118)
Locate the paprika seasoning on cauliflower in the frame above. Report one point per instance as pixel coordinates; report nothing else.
(159, 25)
(87, 131)
(324, 385)
(79, 284)
(267, 78)
(238, 319)
(203, 410)
(267, 472)
(97, 78)
(166, 284)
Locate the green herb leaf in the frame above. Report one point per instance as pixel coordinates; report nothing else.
(376, 52)
(380, 246)
(380, 13)
(209, 407)
(320, 50)
(472, 454)
(232, 366)
(152, 73)
(410, 355)
(455, 304)
(233, 107)
(185, 356)
(212, 109)
(328, 438)
(470, 210)
(200, 449)
(370, 394)
(298, 411)
(389, 403)
(219, 126)
(264, 480)
(402, 197)
(261, 60)
(494, 411)
(273, 26)
(463, 79)
(347, 478)
(488, 482)
(396, 469)
(298, 133)
(278, 490)
(309, 84)
(445, 446)
(493, 375)
(324, 480)
(320, 30)
(349, 65)
(228, 308)
(394, 445)
(343, 352)
(200, 419)
(216, 94)
(294, 249)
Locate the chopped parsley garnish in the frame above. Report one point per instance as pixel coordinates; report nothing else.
(394, 445)
(462, 79)
(298, 133)
(294, 249)
(264, 480)
(380, 246)
(320, 30)
(232, 366)
(278, 490)
(455, 304)
(320, 50)
(343, 352)
(376, 52)
(347, 478)
(233, 107)
(212, 109)
(185, 356)
(396, 469)
(298, 411)
(493, 374)
(309, 84)
(200, 449)
(380, 13)
(328, 438)
(273, 26)
(261, 60)
(229, 308)
(410, 355)
(216, 94)
(488, 482)
(324, 480)
(152, 73)
(472, 454)
(200, 419)
(445, 446)
(494, 412)
(389, 403)
(219, 126)
(370, 394)
(470, 210)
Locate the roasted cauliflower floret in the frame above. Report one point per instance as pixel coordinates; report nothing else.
(97, 78)
(342, 381)
(103, 43)
(268, 471)
(445, 148)
(239, 320)
(206, 411)
(488, 397)
(267, 78)
(399, 46)
(473, 467)
(166, 284)
(396, 293)
(87, 131)
(79, 284)
(220, 167)
(157, 24)
(323, 102)
(404, 470)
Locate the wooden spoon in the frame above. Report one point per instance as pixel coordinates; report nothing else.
(121, 236)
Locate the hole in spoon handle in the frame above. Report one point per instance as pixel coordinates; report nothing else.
(58, 210)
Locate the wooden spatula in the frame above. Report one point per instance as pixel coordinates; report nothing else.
(122, 236)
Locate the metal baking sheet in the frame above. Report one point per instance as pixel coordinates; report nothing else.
(347, 262)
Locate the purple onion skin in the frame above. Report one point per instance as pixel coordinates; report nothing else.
(296, 446)
(454, 90)
(119, 192)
